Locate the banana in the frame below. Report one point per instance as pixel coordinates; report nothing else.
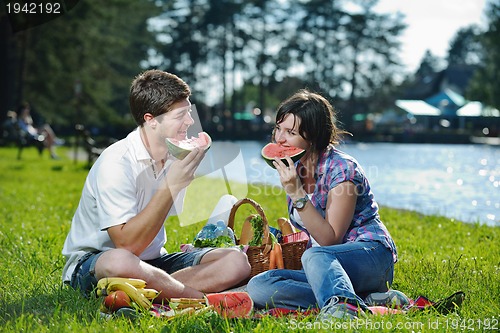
(103, 283)
(131, 291)
(135, 289)
(148, 293)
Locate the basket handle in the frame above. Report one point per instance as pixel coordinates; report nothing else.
(230, 223)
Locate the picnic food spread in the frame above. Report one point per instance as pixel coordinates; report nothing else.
(129, 297)
(134, 288)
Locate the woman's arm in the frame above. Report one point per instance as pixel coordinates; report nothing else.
(340, 206)
(339, 212)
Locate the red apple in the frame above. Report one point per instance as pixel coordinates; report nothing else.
(116, 300)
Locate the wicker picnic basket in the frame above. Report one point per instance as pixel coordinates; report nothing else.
(258, 256)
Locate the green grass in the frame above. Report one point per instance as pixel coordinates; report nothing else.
(38, 196)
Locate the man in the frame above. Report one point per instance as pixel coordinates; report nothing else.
(118, 227)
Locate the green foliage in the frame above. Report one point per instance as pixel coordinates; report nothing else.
(465, 47)
(437, 256)
(257, 224)
(220, 241)
(484, 86)
(78, 68)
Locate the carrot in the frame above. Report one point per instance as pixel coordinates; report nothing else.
(272, 259)
(279, 256)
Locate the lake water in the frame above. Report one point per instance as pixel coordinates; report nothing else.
(458, 181)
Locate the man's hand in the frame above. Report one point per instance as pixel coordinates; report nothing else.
(181, 173)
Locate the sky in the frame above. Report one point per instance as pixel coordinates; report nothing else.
(432, 24)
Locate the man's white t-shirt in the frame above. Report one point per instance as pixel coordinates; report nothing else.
(120, 185)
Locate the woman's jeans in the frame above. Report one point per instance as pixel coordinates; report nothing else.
(345, 270)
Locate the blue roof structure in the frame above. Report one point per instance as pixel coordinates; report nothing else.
(418, 107)
(447, 101)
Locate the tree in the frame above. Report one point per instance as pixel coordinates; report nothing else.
(231, 52)
(484, 86)
(266, 21)
(348, 52)
(180, 39)
(78, 67)
(465, 47)
(429, 66)
(318, 46)
(371, 51)
(219, 27)
(7, 70)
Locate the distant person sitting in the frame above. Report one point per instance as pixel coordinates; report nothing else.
(9, 132)
(26, 124)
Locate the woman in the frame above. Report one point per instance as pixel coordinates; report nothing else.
(329, 197)
(44, 133)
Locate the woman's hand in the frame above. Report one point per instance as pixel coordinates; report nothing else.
(289, 178)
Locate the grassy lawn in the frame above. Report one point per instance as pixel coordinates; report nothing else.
(38, 196)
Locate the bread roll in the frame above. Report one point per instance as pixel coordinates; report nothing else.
(247, 231)
(285, 226)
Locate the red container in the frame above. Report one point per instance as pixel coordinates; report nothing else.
(295, 237)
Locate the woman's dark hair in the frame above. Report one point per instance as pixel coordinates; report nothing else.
(317, 115)
(155, 91)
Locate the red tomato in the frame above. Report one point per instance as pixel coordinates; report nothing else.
(116, 300)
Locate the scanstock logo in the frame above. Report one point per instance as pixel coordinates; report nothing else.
(223, 170)
(27, 14)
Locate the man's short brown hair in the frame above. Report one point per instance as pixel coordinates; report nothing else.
(155, 91)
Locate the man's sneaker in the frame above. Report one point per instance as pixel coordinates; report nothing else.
(339, 310)
(393, 299)
(231, 304)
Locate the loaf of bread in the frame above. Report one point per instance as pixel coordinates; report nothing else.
(285, 226)
(247, 231)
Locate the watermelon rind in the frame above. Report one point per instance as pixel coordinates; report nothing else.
(179, 152)
(235, 304)
(269, 160)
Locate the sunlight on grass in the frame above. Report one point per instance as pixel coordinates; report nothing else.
(437, 257)
(202, 196)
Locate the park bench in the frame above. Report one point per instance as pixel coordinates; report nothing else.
(26, 140)
(90, 146)
(12, 133)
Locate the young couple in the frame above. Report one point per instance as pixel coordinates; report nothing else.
(118, 228)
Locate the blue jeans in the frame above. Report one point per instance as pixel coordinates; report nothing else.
(84, 279)
(345, 270)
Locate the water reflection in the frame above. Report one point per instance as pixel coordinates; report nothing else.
(458, 181)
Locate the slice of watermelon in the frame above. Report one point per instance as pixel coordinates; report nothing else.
(180, 149)
(235, 304)
(272, 150)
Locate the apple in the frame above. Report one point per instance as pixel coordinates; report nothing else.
(116, 300)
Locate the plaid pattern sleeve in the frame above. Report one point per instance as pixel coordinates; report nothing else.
(335, 167)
